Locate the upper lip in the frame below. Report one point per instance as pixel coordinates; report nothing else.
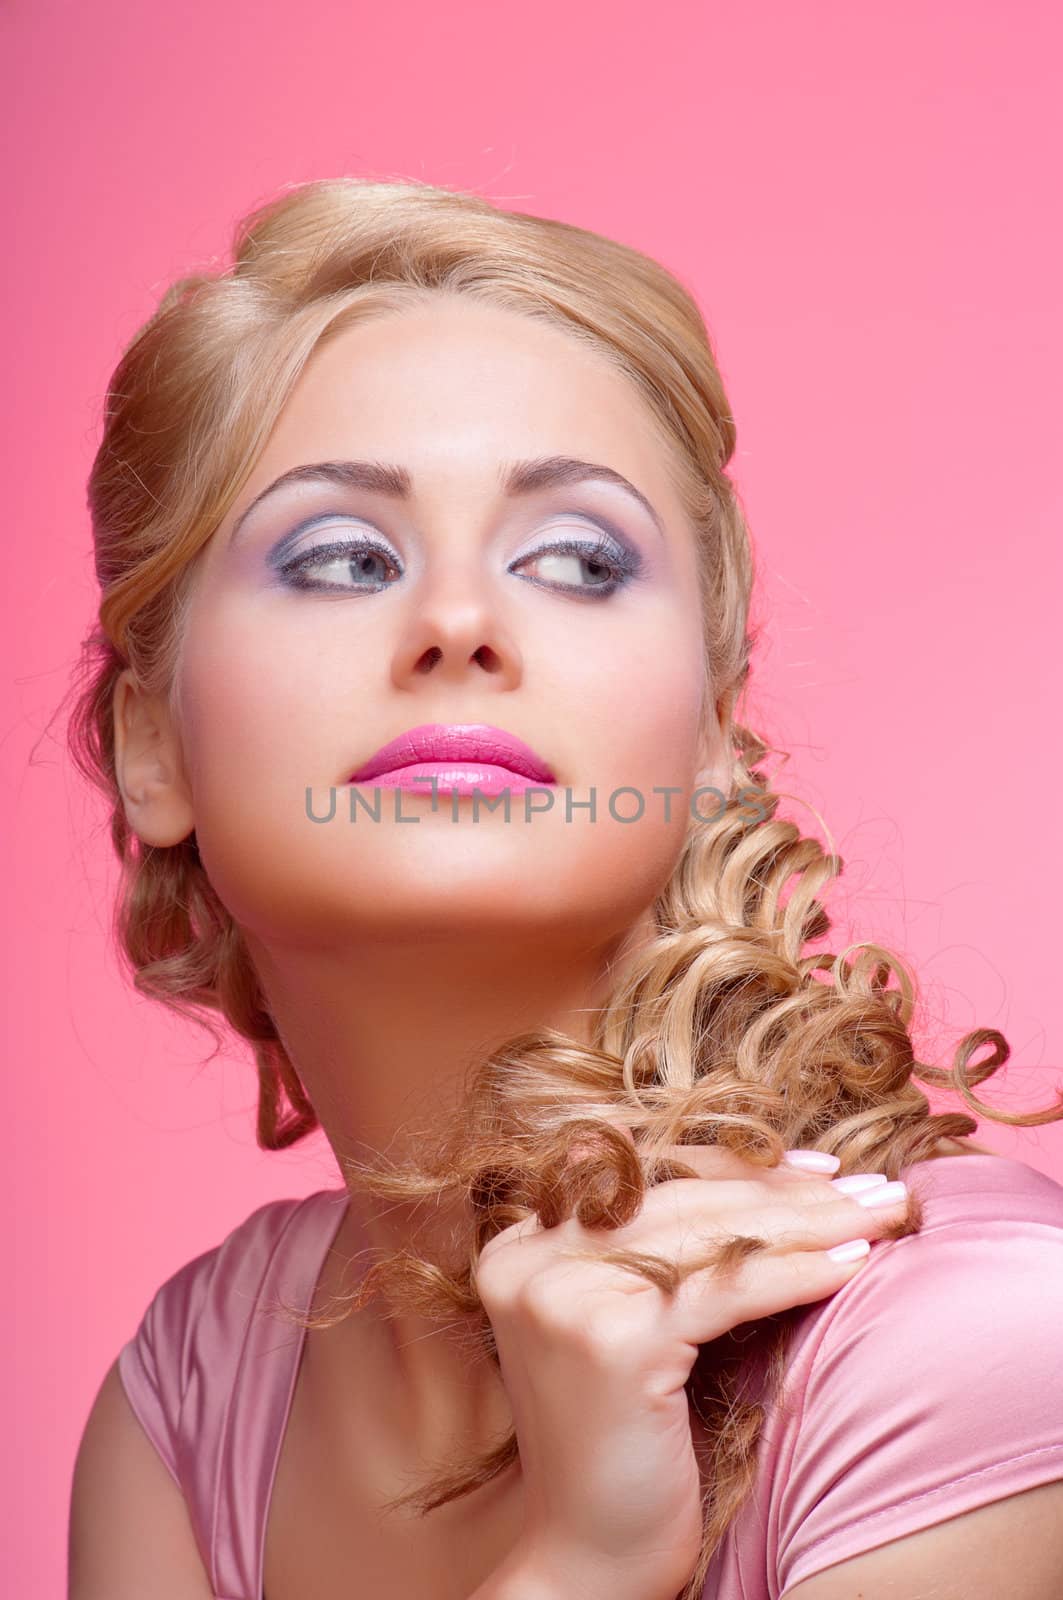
(463, 741)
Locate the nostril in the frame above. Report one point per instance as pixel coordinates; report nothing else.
(486, 658)
(429, 659)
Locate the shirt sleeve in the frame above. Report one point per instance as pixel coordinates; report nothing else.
(937, 1387)
(153, 1364)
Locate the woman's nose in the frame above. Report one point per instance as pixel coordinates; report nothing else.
(455, 628)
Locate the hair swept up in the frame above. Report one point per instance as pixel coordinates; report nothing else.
(722, 1030)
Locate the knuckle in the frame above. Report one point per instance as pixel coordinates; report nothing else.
(541, 1299)
(492, 1284)
(814, 1187)
(573, 1310)
(611, 1330)
(757, 1186)
(498, 1272)
(786, 1221)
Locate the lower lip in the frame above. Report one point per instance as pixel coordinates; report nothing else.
(486, 778)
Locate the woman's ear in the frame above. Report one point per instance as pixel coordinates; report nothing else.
(148, 765)
(715, 758)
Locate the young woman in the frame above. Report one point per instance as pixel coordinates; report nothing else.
(415, 694)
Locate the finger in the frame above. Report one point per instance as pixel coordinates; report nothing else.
(714, 1161)
(764, 1286)
(791, 1270)
(815, 1161)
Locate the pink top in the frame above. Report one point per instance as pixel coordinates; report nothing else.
(930, 1384)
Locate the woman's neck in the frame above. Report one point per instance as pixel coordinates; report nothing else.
(382, 1037)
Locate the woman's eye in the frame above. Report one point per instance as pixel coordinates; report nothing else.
(571, 566)
(342, 564)
(591, 569)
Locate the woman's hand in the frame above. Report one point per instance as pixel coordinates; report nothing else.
(594, 1358)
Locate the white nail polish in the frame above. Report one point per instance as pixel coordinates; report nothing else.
(888, 1194)
(859, 1180)
(851, 1250)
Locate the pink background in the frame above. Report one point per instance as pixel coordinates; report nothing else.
(865, 201)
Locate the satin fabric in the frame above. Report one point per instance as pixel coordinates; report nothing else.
(930, 1384)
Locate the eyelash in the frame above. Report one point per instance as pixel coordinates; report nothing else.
(621, 564)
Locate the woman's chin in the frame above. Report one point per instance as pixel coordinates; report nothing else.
(419, 914)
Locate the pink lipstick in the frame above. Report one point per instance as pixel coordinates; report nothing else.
(461, 756)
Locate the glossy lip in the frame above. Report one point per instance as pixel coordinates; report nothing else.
(478, 743)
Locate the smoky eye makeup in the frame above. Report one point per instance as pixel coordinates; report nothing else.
(595, 528)
(281, 554)
(560, 540)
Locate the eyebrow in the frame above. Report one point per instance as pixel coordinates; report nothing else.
(515, 478)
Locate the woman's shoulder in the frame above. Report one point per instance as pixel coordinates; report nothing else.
(983, 1186)
(194, 1328)
(932, 1382)
(237, 1260)
(988, 1252)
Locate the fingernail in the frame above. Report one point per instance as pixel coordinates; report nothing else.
(887, 1194)
(857, 1181)
(851, 1250)
(812, 1160)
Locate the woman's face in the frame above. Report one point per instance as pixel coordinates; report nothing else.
(448, 604)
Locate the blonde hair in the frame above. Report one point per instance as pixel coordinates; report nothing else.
(721, 1030)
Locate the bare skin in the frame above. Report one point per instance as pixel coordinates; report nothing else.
(338, 1485)
(391, 954)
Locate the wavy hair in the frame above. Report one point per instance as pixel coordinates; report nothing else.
(722, 1029)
